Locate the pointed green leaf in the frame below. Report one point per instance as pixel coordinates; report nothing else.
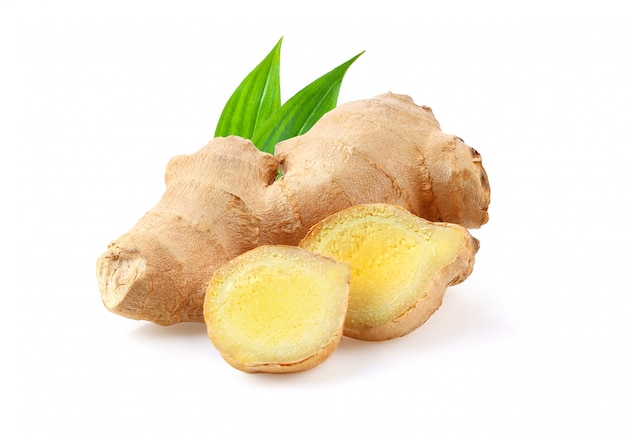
(254, 100)
(303, 110)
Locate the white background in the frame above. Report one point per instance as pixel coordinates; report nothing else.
(95, 97)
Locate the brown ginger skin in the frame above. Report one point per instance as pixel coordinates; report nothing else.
(385, 150)
(211, 211)
(224, 199)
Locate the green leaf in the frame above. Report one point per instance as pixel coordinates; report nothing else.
(303, 110)
(254, 100)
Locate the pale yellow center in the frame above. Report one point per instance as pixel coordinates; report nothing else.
(280, 311)
(391, 263)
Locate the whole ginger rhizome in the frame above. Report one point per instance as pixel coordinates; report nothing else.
(226, 200)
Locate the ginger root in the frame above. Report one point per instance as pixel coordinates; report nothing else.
(401, 265)
(225, 199)
(277, 309)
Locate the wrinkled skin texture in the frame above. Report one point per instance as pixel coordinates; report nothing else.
(224, 199)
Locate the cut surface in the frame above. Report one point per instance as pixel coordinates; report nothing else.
(117, 272)
(395, 259)
(277, 307)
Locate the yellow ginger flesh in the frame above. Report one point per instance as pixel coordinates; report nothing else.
(276, 305)
(396, 261)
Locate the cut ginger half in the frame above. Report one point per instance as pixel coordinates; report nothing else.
(401, 265)
(277, 309)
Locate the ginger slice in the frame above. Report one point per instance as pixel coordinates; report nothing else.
(277, 309)
(401, 265)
